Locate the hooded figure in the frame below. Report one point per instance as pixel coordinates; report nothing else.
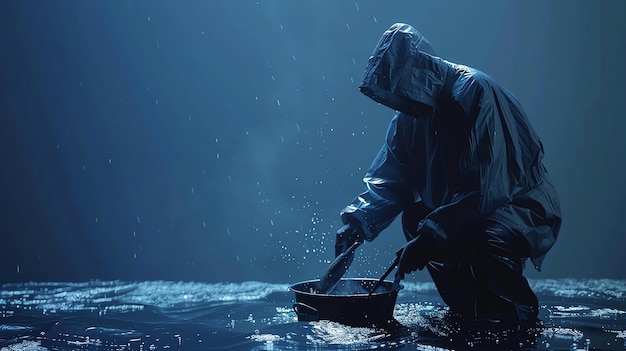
(464, 166)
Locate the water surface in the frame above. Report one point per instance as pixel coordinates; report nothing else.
(164, 315)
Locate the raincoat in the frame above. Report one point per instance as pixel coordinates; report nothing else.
(460, 143)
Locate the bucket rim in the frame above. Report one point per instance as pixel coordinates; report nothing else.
(395, 291)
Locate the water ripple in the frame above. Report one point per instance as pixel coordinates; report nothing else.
(160, 315)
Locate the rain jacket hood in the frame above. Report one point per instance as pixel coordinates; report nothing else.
(472, 154)
(404, 72)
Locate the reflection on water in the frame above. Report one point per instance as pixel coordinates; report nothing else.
(577, 315)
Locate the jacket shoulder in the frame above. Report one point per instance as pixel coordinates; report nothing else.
(470, 87)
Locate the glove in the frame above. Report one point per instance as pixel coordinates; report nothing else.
(346, 236)
(416, 253)
(412, 256)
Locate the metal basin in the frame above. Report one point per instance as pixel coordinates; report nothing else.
(348, 303)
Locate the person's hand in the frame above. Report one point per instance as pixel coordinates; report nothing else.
(346, 236)
(413, 256)
(430, 243)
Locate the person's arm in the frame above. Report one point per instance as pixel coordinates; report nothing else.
(388, 184)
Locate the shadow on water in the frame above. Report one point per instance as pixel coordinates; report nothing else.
(576, 314)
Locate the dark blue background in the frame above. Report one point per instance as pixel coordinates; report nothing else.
(218, 140)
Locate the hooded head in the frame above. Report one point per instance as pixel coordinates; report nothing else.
(404, 72)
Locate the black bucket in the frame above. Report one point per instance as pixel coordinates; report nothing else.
(348, 303)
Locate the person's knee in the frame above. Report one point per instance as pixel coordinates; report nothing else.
(495, 240)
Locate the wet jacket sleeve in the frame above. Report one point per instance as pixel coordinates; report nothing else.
(388, 184)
